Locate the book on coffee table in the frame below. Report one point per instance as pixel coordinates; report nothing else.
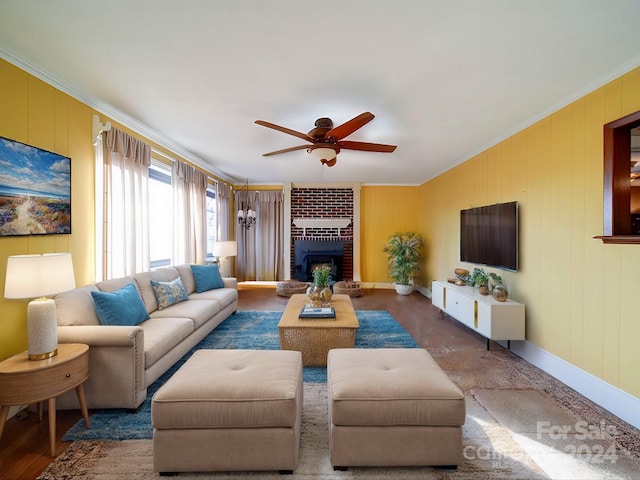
(309, 311)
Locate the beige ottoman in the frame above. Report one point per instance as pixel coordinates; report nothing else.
(392, 407)
(229, 410)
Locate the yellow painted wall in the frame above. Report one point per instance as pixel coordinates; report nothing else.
(580, 295)
(383, 211)
(38, 114)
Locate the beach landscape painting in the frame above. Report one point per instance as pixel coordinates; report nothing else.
(35, 190)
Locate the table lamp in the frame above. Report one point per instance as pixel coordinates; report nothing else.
(223, 250)
(36, 277)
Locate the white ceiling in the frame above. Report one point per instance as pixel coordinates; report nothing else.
(445, 78)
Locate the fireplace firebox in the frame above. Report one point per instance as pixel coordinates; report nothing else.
(311, 253)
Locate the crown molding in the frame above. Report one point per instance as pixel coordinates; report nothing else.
(112, 112)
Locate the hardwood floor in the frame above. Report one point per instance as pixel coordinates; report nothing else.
(24, 446)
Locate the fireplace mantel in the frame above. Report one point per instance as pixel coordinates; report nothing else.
(305, 223)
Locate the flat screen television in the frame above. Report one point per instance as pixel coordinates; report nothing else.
(35, 190)
(489, 235)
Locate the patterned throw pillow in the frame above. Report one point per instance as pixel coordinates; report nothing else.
(169, 293)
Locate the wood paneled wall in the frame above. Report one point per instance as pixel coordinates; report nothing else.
(580, 295)
(383, 211)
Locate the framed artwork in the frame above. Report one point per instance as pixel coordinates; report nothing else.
(35, 190)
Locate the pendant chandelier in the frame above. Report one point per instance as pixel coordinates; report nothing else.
(246, 216)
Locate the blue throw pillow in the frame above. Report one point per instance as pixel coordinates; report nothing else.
(169, 293)
(207, 277)
(122, 307)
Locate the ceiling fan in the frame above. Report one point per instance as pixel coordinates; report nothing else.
(327, 140)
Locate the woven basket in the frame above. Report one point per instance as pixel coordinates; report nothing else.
(353, 289)
(286, 289)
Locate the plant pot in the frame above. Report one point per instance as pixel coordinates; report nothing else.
(403, 289)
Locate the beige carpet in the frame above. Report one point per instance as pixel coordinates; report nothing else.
(133, 459)
(506, 398)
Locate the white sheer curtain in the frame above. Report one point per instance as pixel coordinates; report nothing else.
(260, 255)
(125, 227)
(190, 214)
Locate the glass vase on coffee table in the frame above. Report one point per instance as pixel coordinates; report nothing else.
(319, 293)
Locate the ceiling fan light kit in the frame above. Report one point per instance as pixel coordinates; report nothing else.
(327, 140)
(327, 156)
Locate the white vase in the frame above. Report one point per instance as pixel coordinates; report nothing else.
(403, 289)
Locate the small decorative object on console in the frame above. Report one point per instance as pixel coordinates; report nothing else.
(500, 293)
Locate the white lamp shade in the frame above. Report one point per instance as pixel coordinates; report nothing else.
(225, 249)
(40, 275)
(323, 153)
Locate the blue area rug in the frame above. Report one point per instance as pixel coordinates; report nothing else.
(244, 330)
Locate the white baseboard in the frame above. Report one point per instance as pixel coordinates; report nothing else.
(424, 291)
(376, 285)
(622, 404)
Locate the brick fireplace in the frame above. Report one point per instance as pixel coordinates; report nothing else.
(322, 230)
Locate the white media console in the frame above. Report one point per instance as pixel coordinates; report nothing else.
(482, 313)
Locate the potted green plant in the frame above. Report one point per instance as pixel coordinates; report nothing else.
(478, 278)
(483, 280)
(403, 259)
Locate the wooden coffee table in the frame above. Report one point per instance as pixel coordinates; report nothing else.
(315, 337)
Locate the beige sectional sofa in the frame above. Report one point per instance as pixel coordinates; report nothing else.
(125, 359)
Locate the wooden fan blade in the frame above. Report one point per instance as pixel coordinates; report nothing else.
(347, 128)
(301, 135)
(291, 149)
(367, 147)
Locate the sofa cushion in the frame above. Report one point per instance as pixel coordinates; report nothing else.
(122, 307)
(207, 277)
(169, 293)
(143, 283)
(76, 307)
(199, 311)
(161, 335)
(186, 274)
(114, 284)
(225, 296)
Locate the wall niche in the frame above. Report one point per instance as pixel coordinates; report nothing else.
(620, 221)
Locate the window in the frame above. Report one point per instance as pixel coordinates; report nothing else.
(620, 190)
(160, 215)
(211, 222)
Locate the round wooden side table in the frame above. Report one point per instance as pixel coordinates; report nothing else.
(24, 382)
